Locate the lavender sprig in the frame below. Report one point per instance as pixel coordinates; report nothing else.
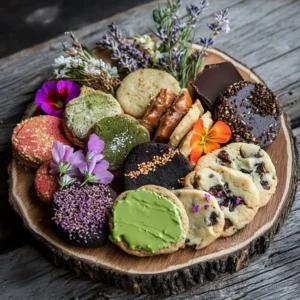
(80, 66)
(128, 54)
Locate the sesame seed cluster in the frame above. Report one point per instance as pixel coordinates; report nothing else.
(145, 168)
(83, 212)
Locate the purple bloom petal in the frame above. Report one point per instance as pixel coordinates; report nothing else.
(102, 174)
(53, 96)
(95, 144)
(68, 89)
(195, 208)
(206, 206)
(207, 196)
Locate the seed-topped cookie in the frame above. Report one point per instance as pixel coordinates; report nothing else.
(236, 194)
(252, 112)
(205, 217)
(148, 221)
(249, 159)
(120, 135)
(83, 112)
(139, 87)
(155, 163)
(80, 213)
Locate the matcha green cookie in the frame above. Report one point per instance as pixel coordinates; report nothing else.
(83, 112)
(148, 221)
(120, 134)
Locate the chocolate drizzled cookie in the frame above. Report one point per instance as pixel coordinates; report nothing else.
(252, 112)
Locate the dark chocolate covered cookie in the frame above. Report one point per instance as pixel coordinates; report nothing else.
(157, 164)
(252, 112)
(80, 213)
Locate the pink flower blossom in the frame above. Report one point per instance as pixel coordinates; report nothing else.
(53, 96)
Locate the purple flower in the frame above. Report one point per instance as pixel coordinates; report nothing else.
(207, 196)
(221, 23)
(206, 206)
(53, 96)
(96, 171)
(61, 155)
(206, 42)
(94, 147)
(219, 194)
(195, 208)
(238, 201)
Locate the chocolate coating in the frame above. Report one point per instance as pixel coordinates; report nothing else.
(157, 164)
(213, 80)
(252, 112)
(80, 214)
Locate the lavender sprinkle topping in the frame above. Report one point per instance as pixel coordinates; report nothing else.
(83, 211)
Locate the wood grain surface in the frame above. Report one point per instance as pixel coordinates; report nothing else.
(265, 36)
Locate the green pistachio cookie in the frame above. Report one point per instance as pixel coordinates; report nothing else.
(83, 112)
(120, 134)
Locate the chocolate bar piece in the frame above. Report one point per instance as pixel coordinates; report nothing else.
(213, 80)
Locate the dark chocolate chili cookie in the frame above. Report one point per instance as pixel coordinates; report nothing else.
(252, 112)
(157, 164)
(80, 213)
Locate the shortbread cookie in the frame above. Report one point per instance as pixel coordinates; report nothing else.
(83, 112)
(205, 217)
(185, 146)
(252, 111)
(120, 135)
(186, 124)
(173, 116)
(139, 87)
(235, 192)
(250, 160)
(149, 221)
(157, 164)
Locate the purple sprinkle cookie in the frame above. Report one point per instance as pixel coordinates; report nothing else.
(80, 214)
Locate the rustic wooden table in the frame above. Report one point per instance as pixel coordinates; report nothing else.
(265, 36)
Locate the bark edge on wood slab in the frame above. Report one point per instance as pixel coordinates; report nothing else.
(178, 272)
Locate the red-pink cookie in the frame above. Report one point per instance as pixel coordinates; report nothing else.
(32, 139)
(45, 183)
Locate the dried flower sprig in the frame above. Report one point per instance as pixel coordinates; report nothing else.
(128, 54)
(80, 66)
(172, 52)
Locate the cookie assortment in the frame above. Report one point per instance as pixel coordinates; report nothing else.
(148, 163)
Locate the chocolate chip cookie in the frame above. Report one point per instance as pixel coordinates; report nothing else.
(205, 216)
(235, 192)
(249, 159)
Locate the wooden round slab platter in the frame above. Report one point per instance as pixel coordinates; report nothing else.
(177, 272)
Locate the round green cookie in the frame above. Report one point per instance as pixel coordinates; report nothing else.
(83, 112)
(120, 134)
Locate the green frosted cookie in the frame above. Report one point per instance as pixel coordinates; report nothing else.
(83, 112)
(120, 134)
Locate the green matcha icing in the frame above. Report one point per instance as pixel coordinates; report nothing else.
(146, 220)
(120, 134)
(83, 112)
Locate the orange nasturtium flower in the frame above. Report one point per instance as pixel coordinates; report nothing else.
(206, 141)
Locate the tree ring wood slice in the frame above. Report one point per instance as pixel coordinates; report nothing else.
(177, 272)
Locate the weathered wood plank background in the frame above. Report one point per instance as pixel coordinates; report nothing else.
(266, 36)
